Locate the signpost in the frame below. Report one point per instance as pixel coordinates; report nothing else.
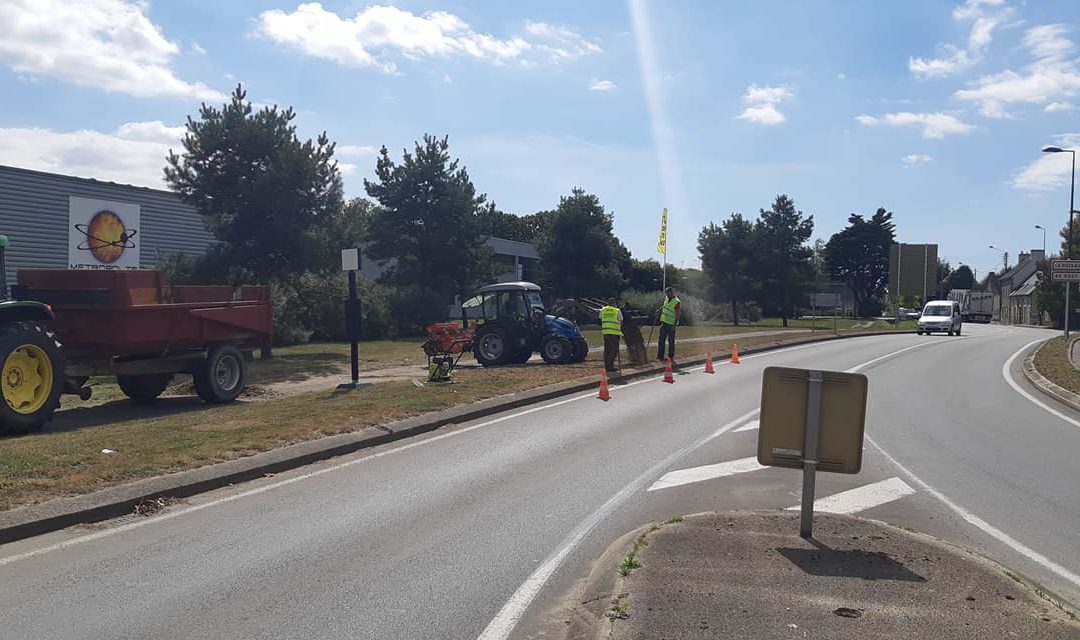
(823, 301)
(350, 263)
(811, 420)
(1067, 271)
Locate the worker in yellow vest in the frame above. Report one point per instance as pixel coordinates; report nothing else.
(670, 314)
(611, 327)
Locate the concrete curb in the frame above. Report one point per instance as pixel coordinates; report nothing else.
(1046, 386)
(33, 520)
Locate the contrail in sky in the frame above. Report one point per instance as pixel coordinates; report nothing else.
(663, 136)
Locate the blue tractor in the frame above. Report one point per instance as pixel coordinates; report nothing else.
(513, 325)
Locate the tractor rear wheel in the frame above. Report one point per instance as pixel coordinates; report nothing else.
(31, 377)
(521, 357)
(492, 347)
(556, 349)
(144, 388)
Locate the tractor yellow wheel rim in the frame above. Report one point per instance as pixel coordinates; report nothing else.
(27, 379)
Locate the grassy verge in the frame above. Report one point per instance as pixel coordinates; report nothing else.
(1052, 360)
(182, 433)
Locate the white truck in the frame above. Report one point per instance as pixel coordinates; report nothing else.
(975, 306)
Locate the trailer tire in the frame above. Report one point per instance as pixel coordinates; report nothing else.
(144, 388)
(31, 377)
(220, 378)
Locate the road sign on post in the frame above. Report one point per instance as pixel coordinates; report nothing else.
(350, 263)
(1065, 270)
(812, 420)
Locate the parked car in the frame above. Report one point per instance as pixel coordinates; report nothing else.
(942, 316)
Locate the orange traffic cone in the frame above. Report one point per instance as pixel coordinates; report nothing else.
(669, 376)
(708, 362)
(604, 393)
(735, 353)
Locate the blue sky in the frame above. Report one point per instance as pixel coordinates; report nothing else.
(934, 110)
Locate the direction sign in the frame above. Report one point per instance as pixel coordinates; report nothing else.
(1065, 265)
(1065, 276)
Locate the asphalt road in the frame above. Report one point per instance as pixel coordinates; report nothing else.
(475, 530)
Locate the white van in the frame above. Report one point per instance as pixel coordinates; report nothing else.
(940, 315)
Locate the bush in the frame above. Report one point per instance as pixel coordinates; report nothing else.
(312, 307)
(694, 309)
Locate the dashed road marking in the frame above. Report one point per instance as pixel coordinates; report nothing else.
(862, 498)
(707, 472)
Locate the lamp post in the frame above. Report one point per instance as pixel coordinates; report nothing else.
(1039, 226)
(1069, 242)
(1005, 258)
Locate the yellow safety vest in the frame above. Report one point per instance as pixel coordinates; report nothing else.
(667, 312)
(609, 321)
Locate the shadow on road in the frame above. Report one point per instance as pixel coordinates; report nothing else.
(854, 563)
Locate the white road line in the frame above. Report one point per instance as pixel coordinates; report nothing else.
(707, 472)
(507, 618)
(749, 426)
(502, 625)
(981, 524)
(1006, 372)
(862, 498)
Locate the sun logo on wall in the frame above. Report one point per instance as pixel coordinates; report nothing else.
(106, 237)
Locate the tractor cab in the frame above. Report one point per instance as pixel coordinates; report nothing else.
(512, 325)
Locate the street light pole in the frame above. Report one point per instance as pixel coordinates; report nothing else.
(1069, 244)
(1039, 226)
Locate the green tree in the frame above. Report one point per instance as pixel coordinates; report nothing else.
(427, 229)
(962, 278)
(579, 253)
(783, 260)
(728, 255)
(858, 256)
(648, 275)
(944, 270)
(263, 193)
(500, 224)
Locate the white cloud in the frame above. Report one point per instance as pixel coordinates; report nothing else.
(602, 85)
(1052, 76)
(1050, 171)
(761, 104)
(953, 59)
(132, 154)
(935, 125)
(353, 150)
(105, 44)
(197, 49)
(1059, 106)
(375, 34)
(915, 159)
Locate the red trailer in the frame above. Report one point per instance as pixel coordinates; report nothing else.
(131, 325)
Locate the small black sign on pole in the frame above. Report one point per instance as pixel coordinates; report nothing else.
(350, 263)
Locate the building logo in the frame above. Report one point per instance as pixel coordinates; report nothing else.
(101, 234)
(106, 237)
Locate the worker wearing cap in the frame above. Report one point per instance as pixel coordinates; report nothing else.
(670, 313)
(611, 327)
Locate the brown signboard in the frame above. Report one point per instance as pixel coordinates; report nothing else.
(785, 396)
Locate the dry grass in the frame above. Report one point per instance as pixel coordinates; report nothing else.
(182, 433)
(1052, 360)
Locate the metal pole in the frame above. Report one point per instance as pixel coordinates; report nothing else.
(354, 346)
(1068, 285)
(810, 447)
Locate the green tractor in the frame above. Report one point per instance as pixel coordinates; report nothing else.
(33, 367)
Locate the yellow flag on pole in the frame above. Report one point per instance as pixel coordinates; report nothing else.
(662, 245)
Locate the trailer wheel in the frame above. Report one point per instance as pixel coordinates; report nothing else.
(144, 388)
(220, 378)
(31, 377)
